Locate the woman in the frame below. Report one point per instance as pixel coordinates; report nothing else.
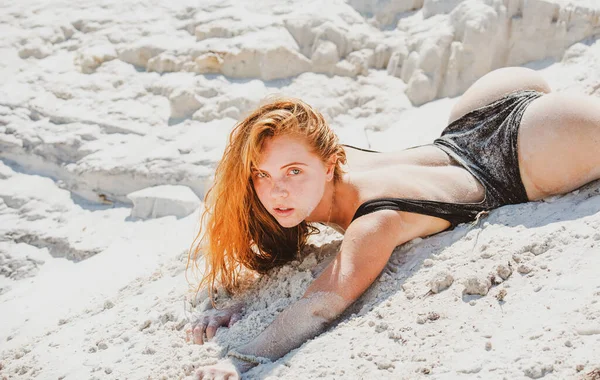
(509, 140)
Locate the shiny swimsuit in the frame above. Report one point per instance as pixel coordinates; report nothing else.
(484, 142)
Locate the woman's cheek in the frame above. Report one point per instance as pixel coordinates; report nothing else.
(260, 192)
(309, 194)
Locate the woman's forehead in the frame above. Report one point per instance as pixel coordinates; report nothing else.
(283, 148)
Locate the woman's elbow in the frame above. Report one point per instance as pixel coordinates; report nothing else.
(326, 306)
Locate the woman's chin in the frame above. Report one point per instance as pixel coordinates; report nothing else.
(288, 222)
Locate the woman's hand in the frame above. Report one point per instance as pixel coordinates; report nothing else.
(205, 327)
(226, 369)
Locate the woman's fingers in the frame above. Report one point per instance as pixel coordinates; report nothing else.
(234, 318)
(205, 327)
(198, 333)
(211, 329)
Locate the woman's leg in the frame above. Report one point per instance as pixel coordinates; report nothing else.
(495, 85)
(559, 144)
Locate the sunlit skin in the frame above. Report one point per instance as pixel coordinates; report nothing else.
(291, 181)
(557, 150)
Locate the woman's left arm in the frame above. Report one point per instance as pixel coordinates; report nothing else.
(365, 250)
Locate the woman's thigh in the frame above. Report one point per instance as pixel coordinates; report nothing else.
(494, 85)
(559, 144)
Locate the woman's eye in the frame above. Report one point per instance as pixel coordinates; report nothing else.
(295, 171)
(260, 175)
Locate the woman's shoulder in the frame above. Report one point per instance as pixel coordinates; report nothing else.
(389, 225)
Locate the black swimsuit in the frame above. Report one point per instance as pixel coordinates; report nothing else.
(484, 142)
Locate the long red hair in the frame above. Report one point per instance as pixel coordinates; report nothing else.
(236, 231)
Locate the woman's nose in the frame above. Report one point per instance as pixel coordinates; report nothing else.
(278, 191)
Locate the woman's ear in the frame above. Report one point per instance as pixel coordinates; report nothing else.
(331, 167)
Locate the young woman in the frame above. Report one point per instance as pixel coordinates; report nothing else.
(509, 140)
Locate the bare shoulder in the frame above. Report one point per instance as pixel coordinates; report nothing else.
(392, 228)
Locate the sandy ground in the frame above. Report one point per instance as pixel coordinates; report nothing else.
(101, 99)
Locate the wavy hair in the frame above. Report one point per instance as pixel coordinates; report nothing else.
(236, 231)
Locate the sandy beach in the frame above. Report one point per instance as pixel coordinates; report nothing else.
(114, 114)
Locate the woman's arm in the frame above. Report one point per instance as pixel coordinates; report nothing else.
(367, 246)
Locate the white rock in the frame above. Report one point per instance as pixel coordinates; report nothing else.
(267, 63)
(165, 200)
(5, 171)
(184, 102)
(362, 60)
(479, 46)
(166, 63)
(434, 7)
(139, 53)
(421, 88)
(441, 281)
(325, 55)
(208, 63)
(36, 49)
(504, 271)
(538, 370)
(477, 285)
(385, 11)
(90, 58)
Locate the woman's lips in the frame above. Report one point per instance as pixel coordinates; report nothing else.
(285, 212)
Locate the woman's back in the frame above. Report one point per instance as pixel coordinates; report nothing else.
(420, 173)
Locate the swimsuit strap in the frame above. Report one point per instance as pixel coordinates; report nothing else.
(455, 213)
(363, 149)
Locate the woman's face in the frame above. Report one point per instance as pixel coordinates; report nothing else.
(290, 179)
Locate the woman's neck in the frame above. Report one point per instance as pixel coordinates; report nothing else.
(340, 197)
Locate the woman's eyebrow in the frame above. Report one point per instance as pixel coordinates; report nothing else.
(293, 163)
(283, 167)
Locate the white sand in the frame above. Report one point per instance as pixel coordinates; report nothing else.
(101, 99)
